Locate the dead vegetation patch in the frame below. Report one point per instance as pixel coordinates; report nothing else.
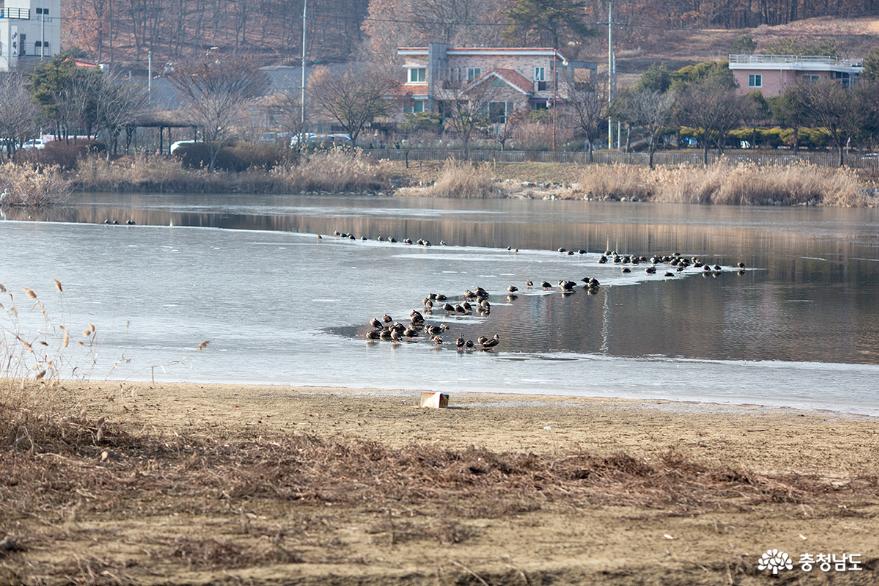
(273, 499)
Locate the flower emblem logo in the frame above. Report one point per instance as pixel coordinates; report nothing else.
(775, 560)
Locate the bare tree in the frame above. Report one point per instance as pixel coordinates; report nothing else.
(650, 110)
(830, 105)
(790, 109)
(354, 97)
(505, 130)
(441, 19)
(76, 103)
(587, 100)
(118, 103)
(467, 111)
(287, 111)
(216, 94)
(712, 107)
(18, 112)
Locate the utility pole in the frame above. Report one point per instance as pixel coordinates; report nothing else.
(610, 70)
(302, 86)
(42, 34)
(149, 76)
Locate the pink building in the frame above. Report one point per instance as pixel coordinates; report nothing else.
(771, 74)
(520, 76)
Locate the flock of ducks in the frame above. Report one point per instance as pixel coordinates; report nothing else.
(380, 238)
(476, 301)
(396, 332)
(115, 222)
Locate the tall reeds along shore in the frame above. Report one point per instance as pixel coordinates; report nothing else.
(28, 185)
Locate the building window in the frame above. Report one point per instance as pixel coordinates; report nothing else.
(43, 11)
(417, 74)
(497, 112)
(812, 77)
(474, 73)
(416, 106)
(539, 74)
(755, 80)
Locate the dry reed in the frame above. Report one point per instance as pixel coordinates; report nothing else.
(26, 185)
(333, 172)
(726, 184)
(460, 180)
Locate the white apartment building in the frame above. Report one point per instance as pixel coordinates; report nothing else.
(30, 30)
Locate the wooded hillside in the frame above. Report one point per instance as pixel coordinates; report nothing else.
(122, 31)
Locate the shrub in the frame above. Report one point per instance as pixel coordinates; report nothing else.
(61, 153)
(235, 158)
(24, 184)
(539, 135)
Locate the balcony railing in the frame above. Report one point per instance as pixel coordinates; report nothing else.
(813, 59)
(16, 13)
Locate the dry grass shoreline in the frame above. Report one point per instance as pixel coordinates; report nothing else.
(135, 483)
(342, 173)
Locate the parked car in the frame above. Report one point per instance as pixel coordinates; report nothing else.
(35, 144)
(178, 144)
(274, 137)
(328, 141)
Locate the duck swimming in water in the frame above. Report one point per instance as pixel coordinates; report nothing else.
(373, 335)
(512, 289)
(546, 285)
(529, 283)
(491, 343)
(375, 323)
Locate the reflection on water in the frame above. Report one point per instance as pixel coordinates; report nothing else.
(282, 306)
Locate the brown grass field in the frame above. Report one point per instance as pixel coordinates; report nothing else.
(136, 483)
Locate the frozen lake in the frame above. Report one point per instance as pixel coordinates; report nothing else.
(247, 273)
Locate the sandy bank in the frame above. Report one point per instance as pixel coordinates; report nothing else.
(201, 484)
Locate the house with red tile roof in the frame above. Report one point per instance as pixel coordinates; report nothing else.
(519, 77)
